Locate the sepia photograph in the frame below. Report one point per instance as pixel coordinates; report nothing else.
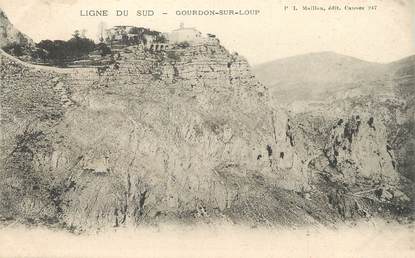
(232, 128)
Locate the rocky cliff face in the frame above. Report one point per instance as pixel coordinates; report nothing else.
(184, 135)
(383, 107)
(9, 35)
(362, 131)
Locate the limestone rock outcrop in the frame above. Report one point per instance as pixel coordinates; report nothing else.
(9, 35)
(358, 147)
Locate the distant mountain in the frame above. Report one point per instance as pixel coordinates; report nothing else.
(10, 35)
(403, 67)
(318, 76)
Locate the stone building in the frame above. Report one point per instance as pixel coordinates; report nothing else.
(117, 33)
(184, 34)
(121, 36)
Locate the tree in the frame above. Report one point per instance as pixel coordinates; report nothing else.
(76, 34)
(103, 49)
(15, 49)
(60, 51)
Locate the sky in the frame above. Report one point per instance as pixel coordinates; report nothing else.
(382, 35)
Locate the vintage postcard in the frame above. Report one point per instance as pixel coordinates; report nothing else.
(183, 128)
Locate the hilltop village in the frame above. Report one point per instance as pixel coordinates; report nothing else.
(80, 51)
(118, 39)
(121, 36)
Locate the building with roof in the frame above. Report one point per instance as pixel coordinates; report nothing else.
(184, 34)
